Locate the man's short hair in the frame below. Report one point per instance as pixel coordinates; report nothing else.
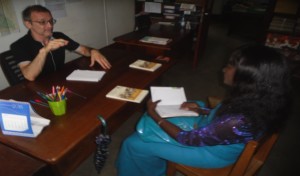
(26, 14)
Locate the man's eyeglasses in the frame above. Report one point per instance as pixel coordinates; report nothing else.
(45, 22)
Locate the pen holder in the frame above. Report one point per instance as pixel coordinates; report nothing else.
(58, 108)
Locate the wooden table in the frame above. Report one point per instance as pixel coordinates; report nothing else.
(15, 163)
(181, 39)
(70, 139)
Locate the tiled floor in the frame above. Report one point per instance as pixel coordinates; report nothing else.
(204, 81)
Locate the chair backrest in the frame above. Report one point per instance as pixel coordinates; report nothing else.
(10, 68)
(249, 162)
(265, 146)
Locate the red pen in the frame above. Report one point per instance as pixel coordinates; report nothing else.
(53, 90)
(40, 101)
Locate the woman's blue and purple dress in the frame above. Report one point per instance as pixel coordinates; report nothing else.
(215, 143)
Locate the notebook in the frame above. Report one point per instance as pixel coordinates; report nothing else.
(86, 75)
(171, 100)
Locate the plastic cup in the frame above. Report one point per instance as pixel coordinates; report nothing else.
(58, 108)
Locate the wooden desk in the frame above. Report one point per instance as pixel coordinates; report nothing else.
(181, 38)
(70, 139)
(14, 163)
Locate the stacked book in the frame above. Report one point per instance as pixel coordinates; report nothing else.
(155, 40)
(282, 24)
(170, 12)
(145, 65)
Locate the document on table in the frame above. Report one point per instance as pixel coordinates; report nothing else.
(155, 40)
(127, 94)
(171, 100)
(86, 75)
(145, 65)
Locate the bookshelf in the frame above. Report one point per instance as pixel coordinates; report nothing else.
(169, 10)
(283, 33)
(286, 18)
(249, 18)
(190, 14)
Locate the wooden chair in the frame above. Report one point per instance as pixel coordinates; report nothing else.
(10, 68)
(249, 162)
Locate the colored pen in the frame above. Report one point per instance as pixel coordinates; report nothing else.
(204, 108)
(57, 96)
(53, 90)
(62, 89)
(41, 104)
(43, 96)
(68, 90)
(40, 101)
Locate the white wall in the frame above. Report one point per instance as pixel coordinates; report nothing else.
(120, 17)
(90, 22)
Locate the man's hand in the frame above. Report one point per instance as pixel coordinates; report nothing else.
(54, 44)
(96, 56)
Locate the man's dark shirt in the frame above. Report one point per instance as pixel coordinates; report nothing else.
(26, 49)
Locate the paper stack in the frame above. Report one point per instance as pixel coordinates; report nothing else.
(155, 40)
(86, 75)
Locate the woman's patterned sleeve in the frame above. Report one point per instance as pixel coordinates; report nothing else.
(221, 131)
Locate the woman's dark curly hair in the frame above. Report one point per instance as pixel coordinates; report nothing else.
(261, 87)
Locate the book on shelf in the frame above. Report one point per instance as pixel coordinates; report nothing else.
(171, 15)
(127, 94)
(166, 23)
(145, 65)
(169, 11)
(281, 24)
(187, 7)
(280, 41)
(171, 7)
(155, 40)
(18, 118)
(86, 75)
(171, 100)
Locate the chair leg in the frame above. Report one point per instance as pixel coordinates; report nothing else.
(171, 169)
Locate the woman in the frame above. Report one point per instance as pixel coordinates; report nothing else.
(258, 103)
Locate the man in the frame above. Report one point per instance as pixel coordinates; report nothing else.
(41, 50)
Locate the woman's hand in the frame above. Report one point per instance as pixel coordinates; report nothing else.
(192, 106)
(151, 107)
(168, 127)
